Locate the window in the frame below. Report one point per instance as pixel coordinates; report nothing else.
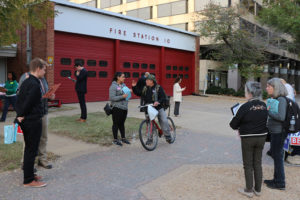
(135, 75)
(91, 74)
(152, 66)
(201, 4)
(168, 75)
(102, 74)
(144, 66)
(65, 73)
(135, 65)
(142, 13)
(91, 63)
(127, 74)
(65, 61)
(248, 5)
(90, 3)
(181, 75)
(170, 9)
(187, 69)
(126, 64)
(174, 67)
(174, 75)
(168, 67)
(110, 3)
(79, 61)
(103, 63)
(183, 26)
(186, 76)
(180, 68)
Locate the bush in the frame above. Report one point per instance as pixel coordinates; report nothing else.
(227, 91)
(240, 93)
(265, 95)
(214, 90)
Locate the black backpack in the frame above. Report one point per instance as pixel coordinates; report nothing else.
(292, 113)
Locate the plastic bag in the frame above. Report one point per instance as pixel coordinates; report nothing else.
(152, 112)
(127, 91)
(9, 134)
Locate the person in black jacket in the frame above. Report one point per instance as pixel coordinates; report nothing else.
(29, 116)
(154, 94)
(251, 122)
(81, 89)
(142, 83)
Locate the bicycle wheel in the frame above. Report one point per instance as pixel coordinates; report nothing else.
(172, 129)
(148, 138)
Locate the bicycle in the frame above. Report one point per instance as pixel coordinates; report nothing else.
(149, 131)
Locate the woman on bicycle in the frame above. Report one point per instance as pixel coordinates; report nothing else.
(154, 94)
(120, 107)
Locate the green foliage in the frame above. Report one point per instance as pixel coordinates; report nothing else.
(240, 93)
(265, 95)
(214, 90)
(232, 44)
(284, 16)
(15, 14)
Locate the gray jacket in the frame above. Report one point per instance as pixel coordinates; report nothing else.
(116, 96)
(275, 120)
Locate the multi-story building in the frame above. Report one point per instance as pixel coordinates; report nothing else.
(181, 14)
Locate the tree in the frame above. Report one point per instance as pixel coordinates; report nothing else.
(16, 14)
(284, 16)
(233, 40)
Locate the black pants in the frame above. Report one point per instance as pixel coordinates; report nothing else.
(176, 109)
(119, 117)
(81, 98)
(252, 148)
(32, 131)
(277, 142)
(8, 101)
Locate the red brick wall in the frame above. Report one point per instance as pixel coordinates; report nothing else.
(42, 46)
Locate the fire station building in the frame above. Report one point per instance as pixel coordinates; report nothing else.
(105, 43)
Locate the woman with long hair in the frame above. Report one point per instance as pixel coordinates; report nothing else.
(120, 107)
(10, 88)
(276, 117)
(177, 95)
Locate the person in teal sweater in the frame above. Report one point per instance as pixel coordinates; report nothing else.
(11, 87)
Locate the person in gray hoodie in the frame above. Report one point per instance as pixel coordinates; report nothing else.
(276, 118)
(120, 108)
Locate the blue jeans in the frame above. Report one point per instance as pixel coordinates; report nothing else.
(8, 101)
(277, 141)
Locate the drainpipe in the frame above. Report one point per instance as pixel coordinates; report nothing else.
(28, 47)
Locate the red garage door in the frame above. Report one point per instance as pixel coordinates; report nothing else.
(136, 59)
(97, 56)
(178, 63)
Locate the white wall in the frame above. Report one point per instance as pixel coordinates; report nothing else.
(234, 79)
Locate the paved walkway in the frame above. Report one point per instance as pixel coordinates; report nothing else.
(203, 163)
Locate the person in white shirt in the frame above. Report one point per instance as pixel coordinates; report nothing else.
(290, 90)
(177, 95)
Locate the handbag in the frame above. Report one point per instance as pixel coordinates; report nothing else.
(108, 109)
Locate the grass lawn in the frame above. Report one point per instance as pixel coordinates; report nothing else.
(97, 129)
(10, 155)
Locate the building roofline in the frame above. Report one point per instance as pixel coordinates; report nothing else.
(117, 15)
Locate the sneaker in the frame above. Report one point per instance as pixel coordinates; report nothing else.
(117, 142)
(37, 178)
(268, 181)
(243, 192)
(149, 141)
(273, 185)
(169, 139)
(294, 160)
(124, 140)
(256, 193)
(35, 184)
